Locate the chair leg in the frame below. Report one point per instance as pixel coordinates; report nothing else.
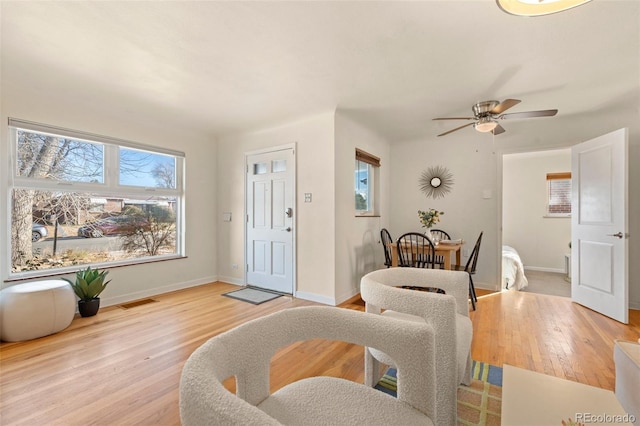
(472, 293)
(473, 288)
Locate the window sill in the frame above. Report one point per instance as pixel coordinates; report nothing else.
(367, 215)
(49, 273)
(564, 216)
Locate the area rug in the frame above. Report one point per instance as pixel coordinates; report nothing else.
(478, 404)
(253, 295)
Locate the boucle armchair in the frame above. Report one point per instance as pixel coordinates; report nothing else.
(246, 351)
(448, 314)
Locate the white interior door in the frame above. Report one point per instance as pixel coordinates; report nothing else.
(270, 221)
(599, 247)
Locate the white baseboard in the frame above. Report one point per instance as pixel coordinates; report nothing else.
(110, 301)
(543, 269)
(232, 280)
(315, 298)
(486, 286)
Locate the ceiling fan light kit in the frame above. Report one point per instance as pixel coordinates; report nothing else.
(485, 124)
(537, 7)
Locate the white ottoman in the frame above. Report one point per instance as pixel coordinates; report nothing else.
(36, 309)
(626, 356)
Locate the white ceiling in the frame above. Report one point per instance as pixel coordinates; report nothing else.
(222, 67)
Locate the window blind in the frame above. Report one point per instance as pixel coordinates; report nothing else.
(365, 157)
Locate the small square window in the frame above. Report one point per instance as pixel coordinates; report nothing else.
(259, 168)
(559, 194)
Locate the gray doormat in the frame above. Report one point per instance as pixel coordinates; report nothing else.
(253, 295)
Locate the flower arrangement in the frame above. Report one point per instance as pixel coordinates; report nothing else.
(429, 218)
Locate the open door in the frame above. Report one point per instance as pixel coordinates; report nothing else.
(599, 246)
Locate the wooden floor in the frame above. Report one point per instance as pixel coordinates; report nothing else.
(122, 367)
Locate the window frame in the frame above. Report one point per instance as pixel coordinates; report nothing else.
(109, 186)
(552, 178)
(373, 166)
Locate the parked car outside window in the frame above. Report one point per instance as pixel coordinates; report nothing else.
(38, 231)
(113, 226)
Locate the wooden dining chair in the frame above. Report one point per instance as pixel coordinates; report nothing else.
(415, 250)
(439, 234)
(386, 239)
(470, 268)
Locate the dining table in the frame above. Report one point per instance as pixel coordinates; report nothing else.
(445, 249)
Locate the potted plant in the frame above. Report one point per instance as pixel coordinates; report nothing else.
(428, 219)
(88, 286)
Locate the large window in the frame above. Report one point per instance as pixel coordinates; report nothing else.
(365, 179)
(79, 199)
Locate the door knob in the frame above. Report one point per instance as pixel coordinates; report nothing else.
(288, 229)
(619, 235)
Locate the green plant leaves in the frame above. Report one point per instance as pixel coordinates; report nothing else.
(89, 283)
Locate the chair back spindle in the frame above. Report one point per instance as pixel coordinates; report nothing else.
(415, 250)
(439, 234)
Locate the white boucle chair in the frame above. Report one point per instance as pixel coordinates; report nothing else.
(246, 351)
(447, 313)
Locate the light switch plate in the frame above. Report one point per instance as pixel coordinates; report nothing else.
(226, 217)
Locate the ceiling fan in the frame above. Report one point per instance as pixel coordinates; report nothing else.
(486, 115)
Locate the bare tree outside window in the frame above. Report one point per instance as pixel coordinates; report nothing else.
(165, 175)
(156, 233)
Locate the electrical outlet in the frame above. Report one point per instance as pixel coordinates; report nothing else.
(465, 252)
(234, 266)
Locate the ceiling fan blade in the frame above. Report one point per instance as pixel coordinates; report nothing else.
(457, 128)
(499, 129)
(505, 105)
(529, 114)
(455, 118)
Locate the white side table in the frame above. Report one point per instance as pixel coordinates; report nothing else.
(530, 398)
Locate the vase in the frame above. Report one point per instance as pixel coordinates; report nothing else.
(88, 308)
(427, 233)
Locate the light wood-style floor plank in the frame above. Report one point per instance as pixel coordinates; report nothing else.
(123, 365)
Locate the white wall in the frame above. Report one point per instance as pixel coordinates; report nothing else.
(466, 210)
(314, 222)
(128, 282)
(541, 241)
(358, 246)
(334, 247)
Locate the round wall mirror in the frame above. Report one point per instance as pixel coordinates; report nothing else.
(436, 181)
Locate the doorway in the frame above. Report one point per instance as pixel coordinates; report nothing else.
(270, 219)
(541, 240)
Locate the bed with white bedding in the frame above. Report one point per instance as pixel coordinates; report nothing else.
(512, 270)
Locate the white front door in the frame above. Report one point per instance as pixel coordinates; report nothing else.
(270, 219)
(599, 246)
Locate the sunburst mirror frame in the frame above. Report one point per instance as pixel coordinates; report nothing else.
(436, 181)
